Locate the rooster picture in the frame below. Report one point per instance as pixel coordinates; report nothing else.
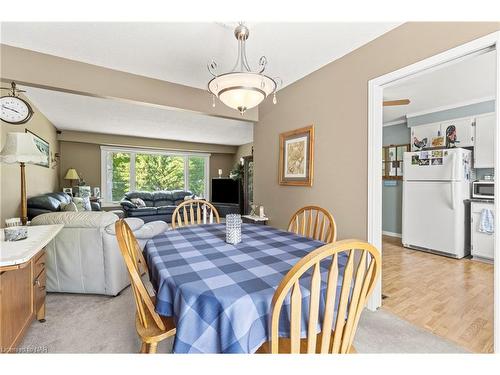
(419, 144)
(451, 136)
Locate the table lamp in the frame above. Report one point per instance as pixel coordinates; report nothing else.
(20, 148)
(71, 175)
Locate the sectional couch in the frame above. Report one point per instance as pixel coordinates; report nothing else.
(51, 202)
(160, 205)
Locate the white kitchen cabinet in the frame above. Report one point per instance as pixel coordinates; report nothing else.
(465, 131)
(484, 147)
(482, 244)
(424, 131)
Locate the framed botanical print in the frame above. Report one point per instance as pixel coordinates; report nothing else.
(43, 147)
(296, 160)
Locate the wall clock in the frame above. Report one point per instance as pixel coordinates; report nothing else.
(15, 110)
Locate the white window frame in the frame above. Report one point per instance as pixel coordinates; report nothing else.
(106, 181)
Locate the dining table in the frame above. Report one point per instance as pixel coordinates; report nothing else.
(220, 294)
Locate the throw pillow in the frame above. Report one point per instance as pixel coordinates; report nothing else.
(138, 202)
(194, 196)
(86, 204)
(69, 207)
(82, 204)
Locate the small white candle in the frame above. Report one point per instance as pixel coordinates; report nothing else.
(220, 173)
(261, 211)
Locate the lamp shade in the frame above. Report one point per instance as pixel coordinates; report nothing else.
(21, 148)
(71, 174)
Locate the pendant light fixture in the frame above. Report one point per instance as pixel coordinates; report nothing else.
(241, 88)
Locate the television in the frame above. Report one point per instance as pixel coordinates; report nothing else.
(225, 190)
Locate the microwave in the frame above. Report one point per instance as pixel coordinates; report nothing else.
(483, 189)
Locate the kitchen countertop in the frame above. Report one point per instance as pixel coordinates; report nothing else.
(18, 252)
(479, 200)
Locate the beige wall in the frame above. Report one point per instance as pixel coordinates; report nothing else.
(243, 150)
(39, 180)
(222, 161)
(334, 99)
(85, 156)
(156, 143)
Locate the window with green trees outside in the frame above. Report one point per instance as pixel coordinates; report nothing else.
(129, 170)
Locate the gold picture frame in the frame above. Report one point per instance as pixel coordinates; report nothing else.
(296, 161)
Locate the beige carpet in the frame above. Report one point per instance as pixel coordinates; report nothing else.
(97, 324)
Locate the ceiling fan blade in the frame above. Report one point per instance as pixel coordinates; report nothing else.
(389, 103)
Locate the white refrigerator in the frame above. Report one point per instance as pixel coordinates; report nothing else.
(435, 185)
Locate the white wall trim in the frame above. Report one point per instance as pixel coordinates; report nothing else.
(392, 234)
(375, 127)
(451, 106)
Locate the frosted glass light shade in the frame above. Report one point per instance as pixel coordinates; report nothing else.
(241, 99)
(242, 91)
(71, 174)
(21, 148)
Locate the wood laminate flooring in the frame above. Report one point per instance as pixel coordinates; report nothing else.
(452, 298)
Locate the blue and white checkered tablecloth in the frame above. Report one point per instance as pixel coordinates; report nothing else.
(219, 294)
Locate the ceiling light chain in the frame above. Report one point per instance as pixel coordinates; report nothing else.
(241, 88)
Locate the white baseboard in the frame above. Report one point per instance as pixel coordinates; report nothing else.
(392, 234)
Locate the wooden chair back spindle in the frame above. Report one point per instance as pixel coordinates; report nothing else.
(194, 212)
(337, 329)
(314, 222)
(134, 260)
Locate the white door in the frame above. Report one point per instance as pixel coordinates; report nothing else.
(424, 131)
(431, 216)
(484, 145)
(483, 245)
(464, 131)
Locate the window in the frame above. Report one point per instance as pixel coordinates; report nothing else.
(155, 172)
(392, 161)
(120, 181)
(124, 170)
(197, 181)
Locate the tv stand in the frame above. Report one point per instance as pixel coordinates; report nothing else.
(227, 208)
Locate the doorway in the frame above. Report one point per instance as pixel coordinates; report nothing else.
(375, 126)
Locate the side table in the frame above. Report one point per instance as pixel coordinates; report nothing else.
(251, 219)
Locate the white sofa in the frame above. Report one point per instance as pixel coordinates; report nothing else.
(84, 257)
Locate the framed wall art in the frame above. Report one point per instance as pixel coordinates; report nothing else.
(296, 161)
(43, 146)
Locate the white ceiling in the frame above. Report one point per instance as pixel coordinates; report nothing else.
(467, 80)
(179, 52)
(83, 113)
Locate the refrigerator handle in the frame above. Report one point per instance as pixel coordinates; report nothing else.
(452, 185)
(453, 165)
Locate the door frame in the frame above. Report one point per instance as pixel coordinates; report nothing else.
(375, 127)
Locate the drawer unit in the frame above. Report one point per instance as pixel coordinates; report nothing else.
(22, 299)
(39, 264)
(39, 285)
(482, 244)
(39, 292)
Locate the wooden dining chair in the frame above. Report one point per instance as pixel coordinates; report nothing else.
(314, 222)
(151, 327)
(194, 212)
(358, 280)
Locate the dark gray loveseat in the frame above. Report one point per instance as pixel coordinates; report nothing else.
(51, 202)
(160, 205)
